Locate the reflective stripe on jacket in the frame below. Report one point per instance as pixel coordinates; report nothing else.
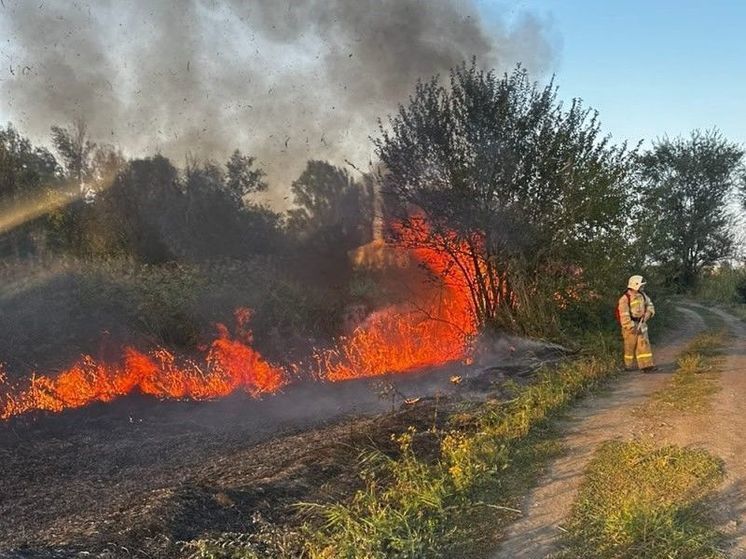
(632, 310)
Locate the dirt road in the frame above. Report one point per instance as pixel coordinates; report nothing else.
(611, 415)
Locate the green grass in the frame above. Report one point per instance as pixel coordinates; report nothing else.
(691, 387)
(739, 310)
(481, 525)
(708, 344)
(640, 502)
(425, 506)
(726, 287)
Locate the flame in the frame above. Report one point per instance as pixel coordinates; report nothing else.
(432, 329)
(230, 364)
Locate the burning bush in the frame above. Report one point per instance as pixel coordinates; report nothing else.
(512, 184)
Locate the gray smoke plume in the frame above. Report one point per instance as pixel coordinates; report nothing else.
(284, 80)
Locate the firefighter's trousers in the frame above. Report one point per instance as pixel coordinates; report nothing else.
(637, 347)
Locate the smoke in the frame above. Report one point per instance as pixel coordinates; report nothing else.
(280, 79)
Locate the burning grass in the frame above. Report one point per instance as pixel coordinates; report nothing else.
(432, 329)
(392, 340)
(229, 364)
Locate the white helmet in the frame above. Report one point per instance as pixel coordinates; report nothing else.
(635, 282)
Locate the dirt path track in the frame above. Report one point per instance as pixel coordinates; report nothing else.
(610, 415)
(723, 432)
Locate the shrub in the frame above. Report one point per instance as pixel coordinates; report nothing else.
(725, 285)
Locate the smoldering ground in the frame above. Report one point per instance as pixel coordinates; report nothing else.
(284, 80)
(135, 477)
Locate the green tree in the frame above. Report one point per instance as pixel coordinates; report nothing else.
(26, 174)
(522, 192)
(333, 212)
(75, 149)
(686, 184)
(23, 167)
(221, 218)
(79, 227)
(141, 214)
(242, 178)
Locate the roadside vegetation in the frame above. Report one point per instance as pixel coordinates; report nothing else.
(441, 490)
(413, 505)
(695, 380)
(639, 501)
(725, 286)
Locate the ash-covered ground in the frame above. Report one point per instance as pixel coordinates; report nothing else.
(136, 477)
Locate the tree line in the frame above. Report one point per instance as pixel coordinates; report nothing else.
(538, 209)
(151, 211)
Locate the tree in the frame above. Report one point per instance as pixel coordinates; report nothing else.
(90, 169)
(515, 187)
(333, 212)
(75, 149)
(221, 219)
(106, 163)
(241, 176)
(23, 167)
(26, 174)
(685, 188)
(141, 214)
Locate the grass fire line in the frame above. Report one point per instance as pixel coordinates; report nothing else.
(395, 339)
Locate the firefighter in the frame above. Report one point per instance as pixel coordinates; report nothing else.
(634, 309)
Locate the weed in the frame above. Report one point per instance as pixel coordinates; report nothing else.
(694, 382)
(725, 285)
(639, 502)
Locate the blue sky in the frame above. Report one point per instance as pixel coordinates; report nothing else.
(649, 67)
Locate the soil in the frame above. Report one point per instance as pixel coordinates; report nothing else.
(135, 477)
(612, 415)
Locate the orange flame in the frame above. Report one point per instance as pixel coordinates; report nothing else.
(426, 332)
(230, 364)
(413, 336)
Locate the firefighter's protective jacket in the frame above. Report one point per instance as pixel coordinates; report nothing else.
(633, 306)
